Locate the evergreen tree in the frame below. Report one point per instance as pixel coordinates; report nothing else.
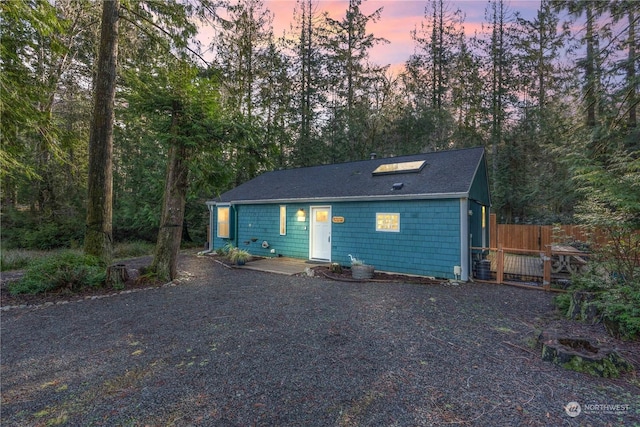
(277, 102)
(466, 96)
(544, 180)
(244, 54)
(44, 51)
(433, 67)
(308, 96)
(98, 240)
(499, 63)
(347, 44)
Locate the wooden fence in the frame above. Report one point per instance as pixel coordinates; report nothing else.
(537, 237)
(537, 253)
(538, 256)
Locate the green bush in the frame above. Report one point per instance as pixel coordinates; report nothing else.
(29, 231)
(563, 302)
(616, 298)
(621, 312)
(65, 270)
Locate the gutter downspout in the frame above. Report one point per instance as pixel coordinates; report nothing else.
(210, 206)
(235, 224)
(464, 239)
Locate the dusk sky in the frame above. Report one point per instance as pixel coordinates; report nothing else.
(399, 17)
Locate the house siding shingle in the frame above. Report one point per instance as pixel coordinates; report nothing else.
(428, 242)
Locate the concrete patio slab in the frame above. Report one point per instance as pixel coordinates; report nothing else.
(281, 265)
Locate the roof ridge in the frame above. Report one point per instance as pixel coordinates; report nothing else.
(377, 159)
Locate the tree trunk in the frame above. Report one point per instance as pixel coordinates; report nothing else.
(632, 80)
(590, 72)
(99, 234)
(165, 261)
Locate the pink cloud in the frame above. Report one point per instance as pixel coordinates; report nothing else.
(398, 19)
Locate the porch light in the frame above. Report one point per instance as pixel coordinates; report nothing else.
(300, 215)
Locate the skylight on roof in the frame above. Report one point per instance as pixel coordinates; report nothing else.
(402, 167)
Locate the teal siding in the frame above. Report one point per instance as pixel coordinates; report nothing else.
(262, 223)
(479, 196)
(479, 190)
(428, 242)
(475, 228)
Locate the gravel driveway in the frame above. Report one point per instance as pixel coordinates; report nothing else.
(240, 348)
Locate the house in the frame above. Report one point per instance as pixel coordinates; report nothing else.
(420, 214)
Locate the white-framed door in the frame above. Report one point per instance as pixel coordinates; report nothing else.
(320, 233)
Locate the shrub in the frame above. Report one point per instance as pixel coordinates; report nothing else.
(27, 230)
(621, 312)
(612, 281)
(616, 299)
(65, 270)
(563, 302)
(238, 256)
(226, 249)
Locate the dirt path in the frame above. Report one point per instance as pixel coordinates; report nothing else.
(230, 347)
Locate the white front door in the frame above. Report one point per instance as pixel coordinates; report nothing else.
(320, 233)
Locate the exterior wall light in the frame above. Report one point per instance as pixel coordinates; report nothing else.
(300, 215)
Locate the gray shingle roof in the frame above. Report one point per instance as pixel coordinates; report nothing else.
(445, 173)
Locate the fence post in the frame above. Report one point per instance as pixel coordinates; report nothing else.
(500, 264)
(546, 273)
(493, 231)
(546, 242)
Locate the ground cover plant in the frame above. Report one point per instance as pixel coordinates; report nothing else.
(16, 259)
(31, 276)
(609, 291)
(61, 271)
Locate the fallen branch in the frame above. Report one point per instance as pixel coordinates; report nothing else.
(222, 264)
(518, 347)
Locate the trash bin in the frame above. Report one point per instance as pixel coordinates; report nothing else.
(483, 270)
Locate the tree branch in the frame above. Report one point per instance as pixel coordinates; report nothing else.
(159, 28)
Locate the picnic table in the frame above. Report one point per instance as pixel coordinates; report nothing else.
(567, 259)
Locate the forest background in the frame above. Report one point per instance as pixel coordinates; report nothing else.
(553, 98)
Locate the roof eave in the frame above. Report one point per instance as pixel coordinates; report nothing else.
(381, 198)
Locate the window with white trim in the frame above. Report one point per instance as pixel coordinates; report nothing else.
(223, 218)
(283, 220)
(386, 221)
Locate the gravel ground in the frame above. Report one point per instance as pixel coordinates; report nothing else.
(227, 347)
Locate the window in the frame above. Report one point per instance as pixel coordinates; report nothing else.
(322, 215)
(403, 167)
(388, 222)
(484, 217)
(224, 216)
(283, 220)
